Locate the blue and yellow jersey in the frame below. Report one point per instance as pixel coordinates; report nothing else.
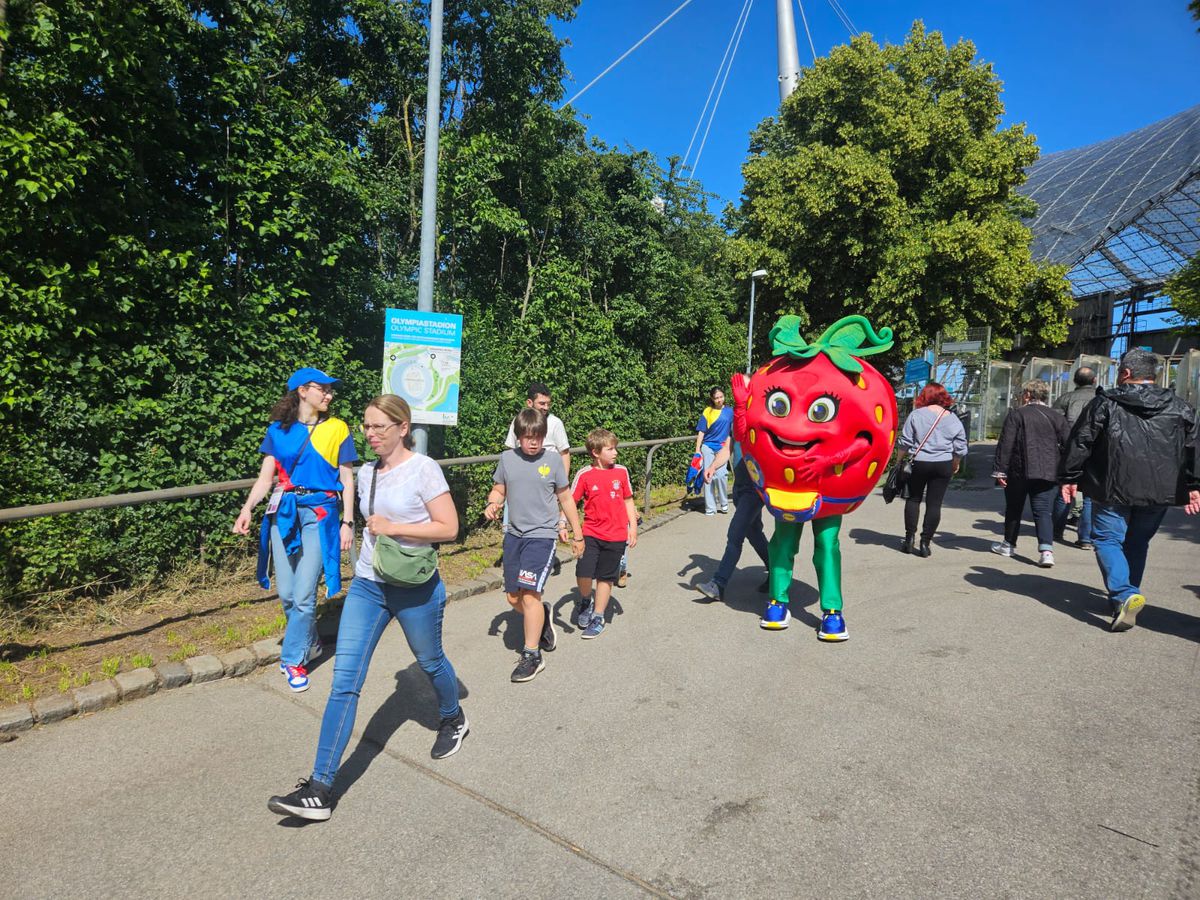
(715, 425)
(319, 456)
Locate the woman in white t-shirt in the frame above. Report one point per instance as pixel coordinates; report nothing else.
(412, 505)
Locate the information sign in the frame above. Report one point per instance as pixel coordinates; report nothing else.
(916, 370)
(422, 362)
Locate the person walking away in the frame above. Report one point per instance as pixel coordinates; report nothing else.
(534, 483)
(309, 454)
(712, 429)
(745, 525)
(1026, 466)
(610, 522)
(936, 440)
(1072, 404)
(537, 396)
(1133, 453)
(406, 500)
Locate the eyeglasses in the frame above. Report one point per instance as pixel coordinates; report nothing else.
(323, 388)
(379, 429)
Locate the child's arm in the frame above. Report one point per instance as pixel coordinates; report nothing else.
(495, 502)
(631, 511)
(568, 507)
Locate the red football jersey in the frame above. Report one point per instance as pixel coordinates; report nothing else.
(604, 492)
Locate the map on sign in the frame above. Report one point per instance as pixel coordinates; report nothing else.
(422, 361)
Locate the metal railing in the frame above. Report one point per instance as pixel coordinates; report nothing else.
(137, 498)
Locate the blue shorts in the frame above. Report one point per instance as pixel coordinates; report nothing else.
(526, 563)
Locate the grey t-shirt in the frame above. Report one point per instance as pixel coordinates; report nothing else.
(530, 487)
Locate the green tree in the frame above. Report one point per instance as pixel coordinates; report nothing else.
(886, 187)
(198, 196)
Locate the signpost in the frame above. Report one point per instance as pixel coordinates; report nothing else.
(422, 362)
(916, 371)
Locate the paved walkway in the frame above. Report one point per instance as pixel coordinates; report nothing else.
(981, 734)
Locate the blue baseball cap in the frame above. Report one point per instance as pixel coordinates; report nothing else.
(309, 375)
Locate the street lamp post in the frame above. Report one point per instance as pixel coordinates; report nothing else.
(754, 276)
(433, 106)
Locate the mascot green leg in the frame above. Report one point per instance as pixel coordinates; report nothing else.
(827, 560)
(781, 553)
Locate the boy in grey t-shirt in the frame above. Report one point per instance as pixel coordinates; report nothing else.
(535, 484)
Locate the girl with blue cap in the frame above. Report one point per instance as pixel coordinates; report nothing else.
(307, 455)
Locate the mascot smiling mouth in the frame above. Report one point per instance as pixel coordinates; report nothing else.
(792, 448)
(800, 448)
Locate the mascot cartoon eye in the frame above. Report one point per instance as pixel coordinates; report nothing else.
(823, 409)
(779, 404)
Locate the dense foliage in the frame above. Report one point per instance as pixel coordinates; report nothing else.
(887, 187)
(197, 196)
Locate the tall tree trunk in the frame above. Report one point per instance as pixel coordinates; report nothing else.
(528, 284)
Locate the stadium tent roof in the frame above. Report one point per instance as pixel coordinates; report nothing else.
(1123, 213)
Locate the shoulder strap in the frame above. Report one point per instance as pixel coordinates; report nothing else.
(308, 433)
(929, 433)
(374, 478)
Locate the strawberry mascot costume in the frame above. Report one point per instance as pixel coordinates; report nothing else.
(816, 426)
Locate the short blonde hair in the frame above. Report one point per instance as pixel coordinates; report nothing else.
(599, 438)
(397, 409)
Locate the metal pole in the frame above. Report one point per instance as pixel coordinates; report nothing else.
(750, 329)
(433, 116)
(788, 53)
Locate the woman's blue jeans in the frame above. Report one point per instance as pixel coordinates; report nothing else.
(1122, 537)
(369, 606)
(296, 580)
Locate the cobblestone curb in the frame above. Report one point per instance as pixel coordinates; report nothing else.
(137, 683)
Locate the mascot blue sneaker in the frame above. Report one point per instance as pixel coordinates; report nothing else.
(833, 627)
(776, 618)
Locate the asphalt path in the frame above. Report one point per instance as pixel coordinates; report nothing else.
(981, 734)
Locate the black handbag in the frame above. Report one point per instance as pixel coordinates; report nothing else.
(897, 480)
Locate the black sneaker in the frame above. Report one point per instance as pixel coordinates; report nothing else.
(549, 638)
(310, 800)
(530, 664)
(450, 735)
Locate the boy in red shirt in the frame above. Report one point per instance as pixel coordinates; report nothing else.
(610, 518)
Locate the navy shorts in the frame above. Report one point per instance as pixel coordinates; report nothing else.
(601, 560)
(526, 563)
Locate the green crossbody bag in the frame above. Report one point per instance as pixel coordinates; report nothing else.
(395, 563)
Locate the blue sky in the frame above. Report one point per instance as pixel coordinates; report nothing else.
(1074, 72)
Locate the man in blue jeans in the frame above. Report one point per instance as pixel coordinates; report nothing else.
(1133, 453)
(746, 523)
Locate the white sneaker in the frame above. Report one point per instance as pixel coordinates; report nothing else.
(1004, 548)
(1047, 559)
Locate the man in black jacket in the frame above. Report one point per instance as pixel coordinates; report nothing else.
(1072, 404)
(1132, 452)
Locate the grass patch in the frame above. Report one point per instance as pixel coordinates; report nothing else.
(185, 651)
(110, 666)
(142, 661)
